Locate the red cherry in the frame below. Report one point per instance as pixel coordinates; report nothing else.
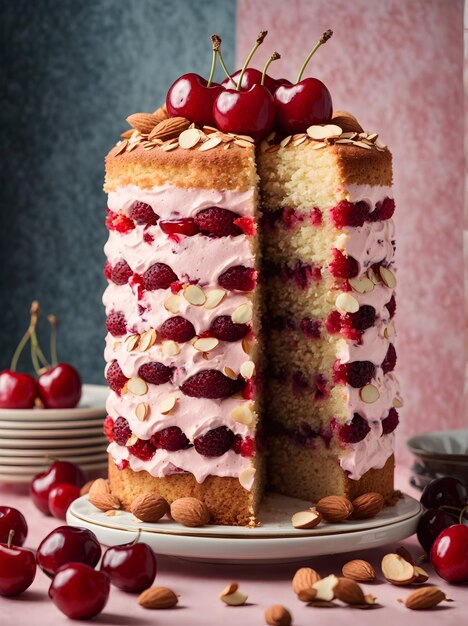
(130, 567)
(250, 78)
(79, 591)
(59, 472)
(60, 498)
(17, 568)
(189, 96)
(186, 226)
(60, 387)
(67, 544)
(12, 519)
(250, 112)
(282, 81)
(449, 554)
(17, 391)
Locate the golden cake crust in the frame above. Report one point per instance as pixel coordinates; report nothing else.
(359, 166)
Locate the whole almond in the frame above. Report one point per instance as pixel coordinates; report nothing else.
(190, 512)
(144, 122)
(359, 570)
(161, 113)
(100, 485)
(368, 505)
(334, 508)
(425, 598)
(304, 578)
(149, 507)
(104, 501)
(346, 121)
(157, 598)
(349, 592)
(170, 128)
(86, 487)
(278, 615)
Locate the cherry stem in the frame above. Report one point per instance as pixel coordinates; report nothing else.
(216, 40)
(215, 45)
(11, 534)
(24, 340)
(137, 537)
(324, 38)
(261, 36)
(274, 57)
(53, 338)
(462, 513)
(36, 352)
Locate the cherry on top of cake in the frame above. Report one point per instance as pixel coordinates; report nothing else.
(248, 107)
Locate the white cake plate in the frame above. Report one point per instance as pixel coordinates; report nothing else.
(275, 540)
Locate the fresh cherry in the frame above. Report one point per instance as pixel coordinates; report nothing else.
(131, 567)
(17, 567)
(59, 472)
(79, 591)
(67, 544)
(185, 226)
(449, 554)
(431, 524)
(306, 102)
(17, 391)
(446, 491)
(60, 498)
(12, 519)
(60, 387)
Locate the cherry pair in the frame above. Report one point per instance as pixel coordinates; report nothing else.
(55, 489)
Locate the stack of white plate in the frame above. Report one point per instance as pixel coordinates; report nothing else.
(31, 438)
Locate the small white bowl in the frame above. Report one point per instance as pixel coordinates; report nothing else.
(442, 453)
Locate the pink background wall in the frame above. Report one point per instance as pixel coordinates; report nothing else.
(397, 65)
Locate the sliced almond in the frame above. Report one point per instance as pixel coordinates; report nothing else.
(142, 411)
(211, 143)
(324, 132)
(170, 348)
(147, 339)
(205, 344)
(284, 142)
(389, 331)
(397, 570)
(306, 519)
(246, 477)
(388, 277)
(167, 405)
(243, 314)
(300, 140)
(373, 276)
(137, 386)
(247, 346)
(170, 146)
(397, 402)
(231, 588)
(237, 598)
(369, 394)
(346, 303)
(132, 342)
(131, 441)
(317, 146)
(172, 303)
(242, 143)
(189, 138)
(247, 369)
(243, 414)
(361, 144)
(195, 295)
(361, 285)
(213, 298)
(229, 372)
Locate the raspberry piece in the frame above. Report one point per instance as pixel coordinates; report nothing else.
(171, 439)
(121, 272)
(291, 218)
(343, 266)
(123, 464)
(389, 362)
(108, 270)
(184, 226)
(116, 379)
(109, 428)
(247, 225)
(217, 222)
(391, 306)
(143, 449)
(316, 217)
(244, 447)
(390, 422)
(303, 273)
(210, 384)
(155, 373)
(178, 329)
(236, 446)
(158, 276)
(142, 213)
(362, 319)
(116, 323)
(356, 374)
(119, 222)
(224, 329)
(148, 238)
(333, 322)
(215, 442)
(238, 278)
(353, 432)
(310, 328)
(348, 214)
(383, 210)
(122, 431)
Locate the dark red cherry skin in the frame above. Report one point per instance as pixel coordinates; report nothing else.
(185, 226)
(190, 97)
(282, 81)
(67, 544)
(17, 569)
(17, 391)
(250, 112)
(60, 498)
(12, 519)
(60, 387)
(449, 554)
(251, 77)
(446, 491)
(301, 105)
(431, 523)
(131, 567)
(59, 472)
(79, 591)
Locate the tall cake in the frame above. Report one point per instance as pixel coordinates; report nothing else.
(249, 311)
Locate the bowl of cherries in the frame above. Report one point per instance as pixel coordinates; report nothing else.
(443, 527)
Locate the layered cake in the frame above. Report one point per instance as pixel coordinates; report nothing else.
(249, 307)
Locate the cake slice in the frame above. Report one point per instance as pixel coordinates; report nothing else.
(183, 309)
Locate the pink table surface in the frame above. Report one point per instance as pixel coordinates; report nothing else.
(199, 584)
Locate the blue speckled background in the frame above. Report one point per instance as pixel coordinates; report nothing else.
(71, 72)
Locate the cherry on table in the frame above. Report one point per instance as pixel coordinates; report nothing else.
(79, 591)
(17, 390)
(59, 387)
(67, 544)
(445, 491)
(12, 519)
(431, 524)
(59, 472)
(131, 567)
(60, 498)
(17, 567)
(449, 554)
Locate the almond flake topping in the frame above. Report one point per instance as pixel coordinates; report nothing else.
(388, 277)
(137, 386)
(147, 339)
(189, 138)
(213, 298)
(346, 303)
(247, 369)
(243, 414)
(195, 295)
(369, 394)
(211, 143)
(246, 477)
(205, 344)
(229, 372)
(131, 441)
(243, 314)
(324, 132)
(397, 402)
(361, 285)
(172, 303)
(167, 405)
(142, 411)
(170, 348)
(132, 342)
